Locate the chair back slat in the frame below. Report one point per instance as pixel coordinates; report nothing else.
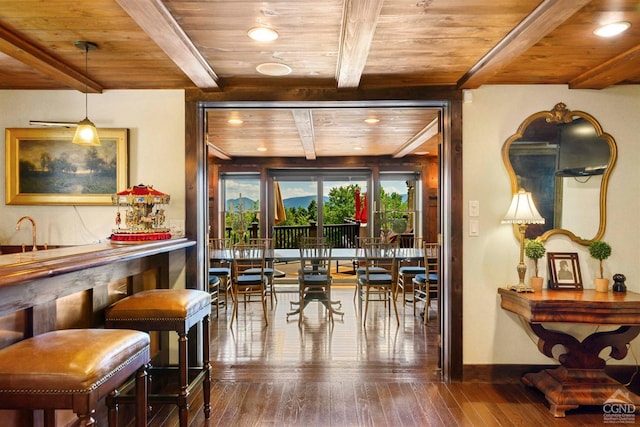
(248, 256)
(380, 256)
(315, 259)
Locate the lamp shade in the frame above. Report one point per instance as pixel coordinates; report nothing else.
(86, 134)
(522, 210)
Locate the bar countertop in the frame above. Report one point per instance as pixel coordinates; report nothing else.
(25, 266)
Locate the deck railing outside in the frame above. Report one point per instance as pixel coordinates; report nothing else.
(289, 236)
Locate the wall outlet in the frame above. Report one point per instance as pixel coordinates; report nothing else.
(176, 227)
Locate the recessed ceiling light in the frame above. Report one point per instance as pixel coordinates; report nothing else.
(372, 120)
(612, 29)
(273, 69)
(262, 34)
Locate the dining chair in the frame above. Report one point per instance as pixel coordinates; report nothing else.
(314, 278)
(408, 268)
(379, 277)
(359, 262)
(427, 285)
(269, 270)
(248, 277)
(220, 269)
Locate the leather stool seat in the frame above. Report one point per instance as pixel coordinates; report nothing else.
(170, 310)
(73, 369)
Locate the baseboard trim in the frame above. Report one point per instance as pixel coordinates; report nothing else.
(508, 374)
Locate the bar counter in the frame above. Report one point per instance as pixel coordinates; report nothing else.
(36, 281)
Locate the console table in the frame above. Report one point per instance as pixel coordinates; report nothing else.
(580, 379)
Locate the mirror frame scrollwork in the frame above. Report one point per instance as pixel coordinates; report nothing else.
(559, 115)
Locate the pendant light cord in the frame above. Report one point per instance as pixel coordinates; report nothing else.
(86, 86)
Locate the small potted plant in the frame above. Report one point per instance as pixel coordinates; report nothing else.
(600, 250)
(534, 249)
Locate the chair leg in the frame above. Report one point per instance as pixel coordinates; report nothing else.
(427, 301)
(264, 308)
(234, 312)
(328, 293)
(206, 356)
(366, 307)
(395, 307)
(300, 304)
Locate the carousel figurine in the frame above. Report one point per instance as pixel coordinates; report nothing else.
(144, 216)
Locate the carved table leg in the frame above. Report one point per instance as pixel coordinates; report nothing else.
(581, 379)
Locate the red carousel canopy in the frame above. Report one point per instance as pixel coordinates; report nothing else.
(140, 194)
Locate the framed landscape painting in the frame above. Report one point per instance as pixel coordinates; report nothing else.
(43, 167)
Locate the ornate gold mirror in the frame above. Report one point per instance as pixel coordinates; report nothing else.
(564, 159)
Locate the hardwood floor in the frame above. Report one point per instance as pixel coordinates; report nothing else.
(346, 375)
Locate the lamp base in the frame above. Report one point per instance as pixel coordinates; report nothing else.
(521, 288)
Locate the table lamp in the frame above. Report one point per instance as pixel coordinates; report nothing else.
(523, 212)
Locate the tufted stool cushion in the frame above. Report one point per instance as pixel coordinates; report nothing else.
(170, 310)
(73, 369)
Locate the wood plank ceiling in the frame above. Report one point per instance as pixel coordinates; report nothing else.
(335, 44)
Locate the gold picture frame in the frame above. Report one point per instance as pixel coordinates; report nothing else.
(43, 167)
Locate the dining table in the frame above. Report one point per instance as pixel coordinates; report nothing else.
(339, 254)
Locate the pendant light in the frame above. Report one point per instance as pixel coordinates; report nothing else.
(86, 132)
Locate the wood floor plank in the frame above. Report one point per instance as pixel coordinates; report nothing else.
(344, 375)
(476, 411)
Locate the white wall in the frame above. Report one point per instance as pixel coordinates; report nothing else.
(156, 120)
(156, 156)
(491, 335)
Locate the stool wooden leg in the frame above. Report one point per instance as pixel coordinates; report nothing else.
(206, 384)
(112, 404)
(183, 366)
(141, 397)
(49, 417)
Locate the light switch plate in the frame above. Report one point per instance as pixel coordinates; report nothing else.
(474, 227)
(474, 208)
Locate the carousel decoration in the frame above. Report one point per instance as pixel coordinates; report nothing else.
(144, 216)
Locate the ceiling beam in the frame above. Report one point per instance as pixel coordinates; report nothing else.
(156, 20)
(304, 122)
(359, 21)
(428, 132)
(31, 55)
(609, 73)
(216, 152)
(544, 19)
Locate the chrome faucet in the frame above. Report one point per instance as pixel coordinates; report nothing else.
(33, 229)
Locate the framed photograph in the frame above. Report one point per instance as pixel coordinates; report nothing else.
(564, 270)
(43, 167)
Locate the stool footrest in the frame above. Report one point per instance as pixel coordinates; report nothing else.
(159, 377)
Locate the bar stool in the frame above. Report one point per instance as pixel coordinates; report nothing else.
(74, 369)
(170, 310)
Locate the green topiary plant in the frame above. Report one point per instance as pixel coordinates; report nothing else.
(534, 249)
(600, 250)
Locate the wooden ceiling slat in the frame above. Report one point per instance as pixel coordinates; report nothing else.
(31, 55)
(616, 70)
(544, 19)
